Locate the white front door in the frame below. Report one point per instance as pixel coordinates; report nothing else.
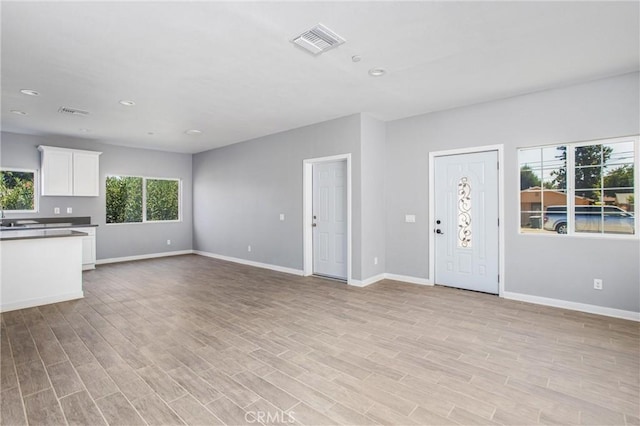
(466, 221)
(330, 219)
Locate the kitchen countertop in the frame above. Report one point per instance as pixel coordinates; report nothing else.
(28, 234)
(28, 224)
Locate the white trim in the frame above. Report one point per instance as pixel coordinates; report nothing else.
(142, 257)
(250, 263)
(408, 279)
(368, 281)
(307, 208)
(40, 301)
(574, 306)
(501, 214)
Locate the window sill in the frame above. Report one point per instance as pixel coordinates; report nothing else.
(144, 223)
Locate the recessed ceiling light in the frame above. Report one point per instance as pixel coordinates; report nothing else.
(193, 132)
(127, 103)
(377, 72)
(18, 112)
(84, 130)
(356, 58)
(29, 92)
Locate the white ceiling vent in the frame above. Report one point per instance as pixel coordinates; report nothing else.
(318, 39)
(72, 111)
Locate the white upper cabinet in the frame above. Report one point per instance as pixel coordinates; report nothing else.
(57, 171)
(86, 179)
(70, 172)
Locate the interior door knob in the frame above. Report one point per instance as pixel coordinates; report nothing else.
(439, 232)
(314, 225)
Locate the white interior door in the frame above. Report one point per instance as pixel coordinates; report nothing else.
(330, 219)
(466, 221)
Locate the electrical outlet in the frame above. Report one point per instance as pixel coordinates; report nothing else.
(248, 248)
(375, 260)
(410, 218)
(597, 284)
(56, 210)
(69, 210)
(168, 242)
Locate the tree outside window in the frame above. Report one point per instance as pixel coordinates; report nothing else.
(17, 190)
(579, 188)
(124, 199)
(133, 199)
(162, 199)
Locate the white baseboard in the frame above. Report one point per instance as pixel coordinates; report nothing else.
(40, 301)
(142, 257)
(251, 263)
(368, 281)
(394, 277)
(574, 306)
(408, 279)
(557, 303)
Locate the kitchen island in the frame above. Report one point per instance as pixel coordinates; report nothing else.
(38, 267)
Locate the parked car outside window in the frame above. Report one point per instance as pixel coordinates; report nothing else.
(590, 219)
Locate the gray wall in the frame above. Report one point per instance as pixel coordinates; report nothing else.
(374, 217)
(547, 266)
(241, 189)
(111, 240)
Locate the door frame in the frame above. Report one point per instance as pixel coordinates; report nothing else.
(432, 240)
(307, 210)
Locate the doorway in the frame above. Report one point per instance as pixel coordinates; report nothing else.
(465, 202)
(327, 217)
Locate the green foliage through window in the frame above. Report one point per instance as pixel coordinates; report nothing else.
(528, 178)
(127, 196)
(17, 190)
(124, 199)
(162, 199)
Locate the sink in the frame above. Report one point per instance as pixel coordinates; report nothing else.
(12, 226)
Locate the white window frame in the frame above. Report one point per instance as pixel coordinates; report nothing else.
(570, 183)
(36, 189)
(144, 199)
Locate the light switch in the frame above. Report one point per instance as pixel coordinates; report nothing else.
(56, 210)
(410, 218)
(282, 216)
(69, 210)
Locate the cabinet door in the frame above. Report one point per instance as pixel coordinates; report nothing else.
(86, 176)
(88, 247)
(57, 172)
(88, 250)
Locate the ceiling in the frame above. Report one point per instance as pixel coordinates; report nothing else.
(229, 69)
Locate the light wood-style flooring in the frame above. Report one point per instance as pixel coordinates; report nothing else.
(194, 340)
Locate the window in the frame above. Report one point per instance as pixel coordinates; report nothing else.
(133, 199)
(579, 189)
(18, 190)
(162, 196)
